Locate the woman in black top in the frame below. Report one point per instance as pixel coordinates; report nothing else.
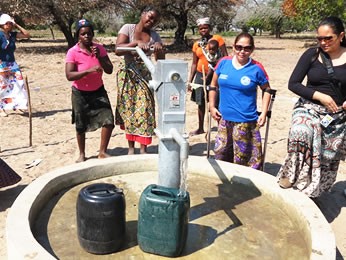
(316, 141)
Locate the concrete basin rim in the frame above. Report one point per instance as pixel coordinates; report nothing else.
(24, 209)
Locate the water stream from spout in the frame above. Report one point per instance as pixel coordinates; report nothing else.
(183, 177)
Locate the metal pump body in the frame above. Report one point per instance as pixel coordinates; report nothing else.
(169, 79)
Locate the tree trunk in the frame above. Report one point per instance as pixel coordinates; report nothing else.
(52, 32)
(64, 26)
(179, 34)
(278, 26)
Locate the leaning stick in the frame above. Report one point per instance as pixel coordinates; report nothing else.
(26, 84)
(206, 112)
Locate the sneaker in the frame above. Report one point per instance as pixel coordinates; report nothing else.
(285, 183)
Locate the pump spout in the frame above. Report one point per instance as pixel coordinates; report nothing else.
(183, 144)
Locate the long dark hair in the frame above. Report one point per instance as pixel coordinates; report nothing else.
(337, 26)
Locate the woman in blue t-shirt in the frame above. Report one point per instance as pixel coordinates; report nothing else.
(12, 92)
(236, 79)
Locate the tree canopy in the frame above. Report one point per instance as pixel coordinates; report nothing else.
(180, 14)
(62, 13)
(312, 11)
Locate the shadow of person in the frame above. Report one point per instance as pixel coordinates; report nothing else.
(198, 149)
(8, 196)
(230, 193)
(272, 168)
(331, 203)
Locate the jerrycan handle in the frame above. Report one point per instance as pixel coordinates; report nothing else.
(103, 190)
(161, 192)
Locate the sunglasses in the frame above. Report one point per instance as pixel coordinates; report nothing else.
(243, 48)
(324, 38)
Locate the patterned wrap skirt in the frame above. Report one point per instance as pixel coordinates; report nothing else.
(314, 151)
(135, 110)
(91, 110)
(13, 94)
(239, 143)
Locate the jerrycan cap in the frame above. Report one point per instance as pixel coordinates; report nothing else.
(101, 190)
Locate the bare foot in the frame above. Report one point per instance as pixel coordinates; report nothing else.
(143, 152)
(20, 111)
(197, 132)
(103, 155)
(131, 151)
(285, 183)
(81, 158)
(3, 113)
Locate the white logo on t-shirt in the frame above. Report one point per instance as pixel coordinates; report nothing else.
(223, 76)
(245, 80)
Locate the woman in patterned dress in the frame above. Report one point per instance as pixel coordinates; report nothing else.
(316, 140)
(135, 111)
(12, 91)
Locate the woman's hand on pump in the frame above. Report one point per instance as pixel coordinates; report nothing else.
(144, 46)
(157, 47)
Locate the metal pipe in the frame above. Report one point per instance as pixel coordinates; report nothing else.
(141, 54)
(183, 144)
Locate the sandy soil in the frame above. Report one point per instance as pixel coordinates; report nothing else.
(53, 136)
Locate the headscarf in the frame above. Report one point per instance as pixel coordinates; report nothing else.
(202, 21)
(83, 23)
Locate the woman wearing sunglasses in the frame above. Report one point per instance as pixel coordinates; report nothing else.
(316, 140)
(236, 79)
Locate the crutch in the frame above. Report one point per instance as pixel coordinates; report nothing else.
(207, 135)
(272, 92)
(195, 86)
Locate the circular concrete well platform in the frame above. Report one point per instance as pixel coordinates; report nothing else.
(236, 213)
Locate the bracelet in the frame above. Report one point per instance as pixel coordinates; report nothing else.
(210, 88)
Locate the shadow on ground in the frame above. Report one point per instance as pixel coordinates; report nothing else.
(8, 196)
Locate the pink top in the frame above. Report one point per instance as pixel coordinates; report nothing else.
(84, 61)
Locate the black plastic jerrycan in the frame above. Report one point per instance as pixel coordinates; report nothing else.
(101, 218)
(163, 220)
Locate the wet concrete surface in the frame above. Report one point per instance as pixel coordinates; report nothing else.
(227, 220)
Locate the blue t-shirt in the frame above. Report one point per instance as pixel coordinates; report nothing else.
(238, 89)
(7, 48)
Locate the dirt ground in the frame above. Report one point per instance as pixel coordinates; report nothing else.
(53, 136)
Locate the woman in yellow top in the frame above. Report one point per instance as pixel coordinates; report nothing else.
(199, 61)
